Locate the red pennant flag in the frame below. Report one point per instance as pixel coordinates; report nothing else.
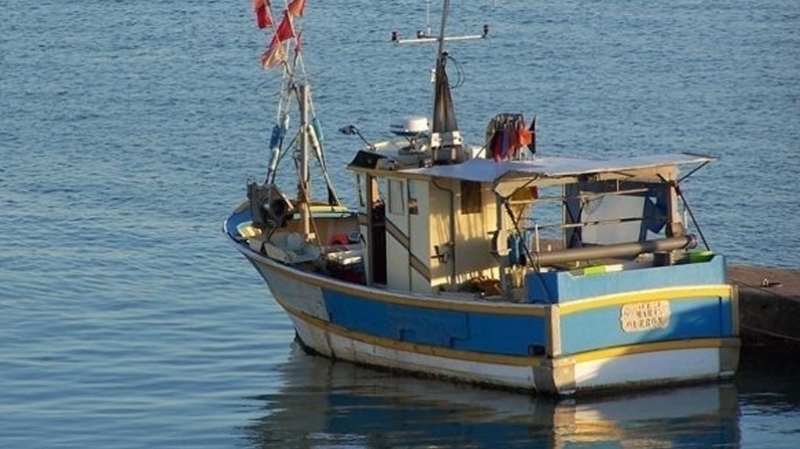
(284, 30)
(296, 7)
(261, 8)
(524, 136)
(275, 55)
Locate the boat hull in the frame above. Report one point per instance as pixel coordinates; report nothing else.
(319, 308)
(651, 369)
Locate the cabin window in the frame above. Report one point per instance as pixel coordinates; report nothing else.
(361, 185)
(615, 212)
(413, 208)
(470, 197)
(379, 195)
(397, 202)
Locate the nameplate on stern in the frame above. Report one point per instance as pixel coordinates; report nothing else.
(642, 316)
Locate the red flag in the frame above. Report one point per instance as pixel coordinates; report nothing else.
(296, 7)
(524, 136)
(261, 8)
(275, 55)
(284, 30)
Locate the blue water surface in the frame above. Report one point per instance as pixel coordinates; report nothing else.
(128, 131)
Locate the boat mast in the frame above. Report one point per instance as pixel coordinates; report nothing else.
(444, 133)
(445, 11)
(443, 119)
(303, 186)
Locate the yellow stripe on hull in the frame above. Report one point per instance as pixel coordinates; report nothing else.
(669, 293)
(622, 351)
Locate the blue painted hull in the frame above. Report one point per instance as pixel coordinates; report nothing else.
(618, 332)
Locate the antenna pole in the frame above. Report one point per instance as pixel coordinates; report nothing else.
(445, 10)
(428, 19)
(424, 37)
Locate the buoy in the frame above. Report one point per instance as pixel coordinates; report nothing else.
(339, 239)
(274, 139)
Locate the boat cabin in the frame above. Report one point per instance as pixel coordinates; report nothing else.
(483, 226)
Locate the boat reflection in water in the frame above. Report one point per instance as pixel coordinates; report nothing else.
(325, 404)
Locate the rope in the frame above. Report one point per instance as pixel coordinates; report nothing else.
(761, 289)
(770, 333)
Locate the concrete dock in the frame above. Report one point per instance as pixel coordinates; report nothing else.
(769, 305)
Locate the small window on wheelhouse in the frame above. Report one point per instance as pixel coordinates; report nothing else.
(361, 185)
(470, 197)
(413, 207)
(397, 202)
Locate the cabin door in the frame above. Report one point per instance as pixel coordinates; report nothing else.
(377, 231)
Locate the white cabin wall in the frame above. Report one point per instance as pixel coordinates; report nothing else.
(439, 212)
(469, 256)
(398, 267)
(412, 239)
(364, 211)
(419, 236)
(473, 243)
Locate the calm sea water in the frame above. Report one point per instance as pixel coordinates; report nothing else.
(128, 130)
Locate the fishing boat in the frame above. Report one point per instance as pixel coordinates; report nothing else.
(488, 263)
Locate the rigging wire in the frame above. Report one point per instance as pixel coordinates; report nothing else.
(461, 76)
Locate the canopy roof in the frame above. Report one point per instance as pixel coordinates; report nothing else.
(487, 170)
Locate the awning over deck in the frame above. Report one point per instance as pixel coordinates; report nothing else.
(489, 171)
